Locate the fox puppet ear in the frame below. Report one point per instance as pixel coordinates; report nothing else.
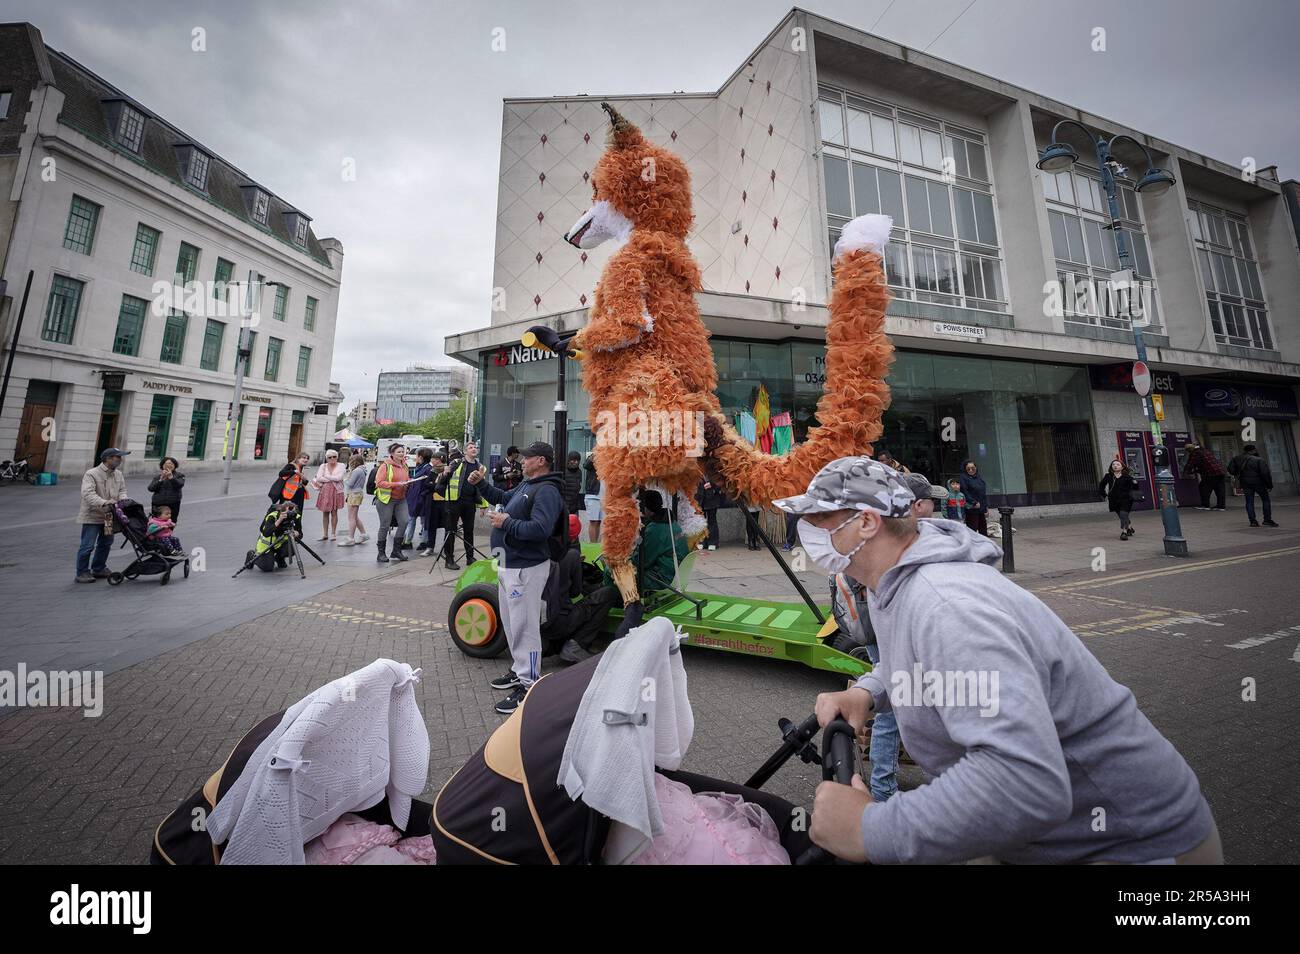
(622, 133)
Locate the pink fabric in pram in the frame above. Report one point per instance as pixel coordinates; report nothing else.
(353, 840)
(711, 828)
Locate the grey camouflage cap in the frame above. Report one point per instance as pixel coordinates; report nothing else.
(853, 483)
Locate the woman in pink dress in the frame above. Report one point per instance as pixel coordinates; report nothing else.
(329, 493)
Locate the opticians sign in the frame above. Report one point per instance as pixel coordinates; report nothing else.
(1213, 400)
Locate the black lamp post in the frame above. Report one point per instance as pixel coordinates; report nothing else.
(1060, 156)
(548, 339)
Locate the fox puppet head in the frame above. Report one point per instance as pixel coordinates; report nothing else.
(636, 185)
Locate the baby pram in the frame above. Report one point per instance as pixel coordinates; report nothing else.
(515, 772)
(130, 520)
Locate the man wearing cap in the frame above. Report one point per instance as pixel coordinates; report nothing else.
(101, 487)
(1036, 754)
(924, 495)
(523, 522)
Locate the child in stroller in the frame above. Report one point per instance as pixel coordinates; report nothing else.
(159, 530)
(152, 557)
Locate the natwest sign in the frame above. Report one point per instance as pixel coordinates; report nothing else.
(520, 355)
(1119, 377)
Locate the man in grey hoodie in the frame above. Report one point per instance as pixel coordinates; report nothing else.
(1036, 754)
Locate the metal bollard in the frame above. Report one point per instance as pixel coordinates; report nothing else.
(1008, 540)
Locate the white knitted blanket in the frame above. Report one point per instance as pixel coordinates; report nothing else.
(341, 749)
(634, 715)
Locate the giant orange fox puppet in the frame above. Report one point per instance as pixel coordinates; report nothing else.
(645, 350)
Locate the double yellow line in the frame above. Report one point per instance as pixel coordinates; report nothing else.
(1139, 575)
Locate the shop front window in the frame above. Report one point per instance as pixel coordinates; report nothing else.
(261, 445)
(1027, 426)
(200, 418)
(160, 423)
(518, 402)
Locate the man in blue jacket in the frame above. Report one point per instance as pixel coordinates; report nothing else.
(523, 522)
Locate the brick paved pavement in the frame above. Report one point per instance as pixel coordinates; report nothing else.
(92, 790)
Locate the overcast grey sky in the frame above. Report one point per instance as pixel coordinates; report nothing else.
(412, 91)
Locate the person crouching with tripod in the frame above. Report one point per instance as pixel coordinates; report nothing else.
(273, 550)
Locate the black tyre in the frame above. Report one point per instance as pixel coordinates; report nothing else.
(115, 578)
(848, 645)
(187, 569)
(474, 621)
(166, 578)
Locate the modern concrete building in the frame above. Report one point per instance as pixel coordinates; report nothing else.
(139, 242)
(824, 122)
(419, 392)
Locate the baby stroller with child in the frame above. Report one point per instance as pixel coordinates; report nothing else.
(151, 557)
(530, 793)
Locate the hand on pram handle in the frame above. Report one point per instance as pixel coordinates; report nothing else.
(837, 761)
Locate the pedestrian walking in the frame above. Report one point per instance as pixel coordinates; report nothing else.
(593, 497)
(524, 524)
(167, 487)
(977, 497)
(354, 491)
(709, 497)
(751, 526)
(1253, 474)
(391, 478)
(1211, 475)
(328, 484)
(1120, 489)
(101, 487)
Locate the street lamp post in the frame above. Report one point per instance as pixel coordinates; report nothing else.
(242, 354)
(1059, 156)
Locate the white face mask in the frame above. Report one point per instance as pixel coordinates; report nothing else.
(819, 546)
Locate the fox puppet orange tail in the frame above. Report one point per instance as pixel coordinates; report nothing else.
(851, 409)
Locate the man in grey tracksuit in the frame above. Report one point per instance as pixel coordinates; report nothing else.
(1037, 755)
(521, 535)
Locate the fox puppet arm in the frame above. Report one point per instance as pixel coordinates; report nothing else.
(619, 317)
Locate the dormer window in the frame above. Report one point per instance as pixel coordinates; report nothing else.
(261, 204)
(197, 173)
(130, 128)
(297, 224)
(194, 166)
(126, 122)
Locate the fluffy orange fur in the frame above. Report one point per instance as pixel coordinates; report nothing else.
(669, 368)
